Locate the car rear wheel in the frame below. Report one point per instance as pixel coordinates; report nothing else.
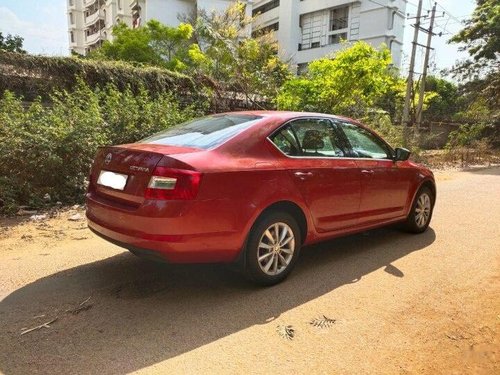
(272, 248)
(420, 215)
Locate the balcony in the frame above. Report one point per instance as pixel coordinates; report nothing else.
(136, 6)
(93, 38)
(91, 19)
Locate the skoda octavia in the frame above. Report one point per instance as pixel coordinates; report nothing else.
(253, 188)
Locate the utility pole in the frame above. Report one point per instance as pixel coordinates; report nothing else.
(409, 82)
(424, 71)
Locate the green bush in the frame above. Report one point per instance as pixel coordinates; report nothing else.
(49, 148)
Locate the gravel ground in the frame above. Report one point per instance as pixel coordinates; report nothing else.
(401, 304)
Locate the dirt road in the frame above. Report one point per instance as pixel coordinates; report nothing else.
(403, 304)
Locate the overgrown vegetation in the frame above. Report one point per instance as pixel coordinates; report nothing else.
(37, 76)
(48, 149)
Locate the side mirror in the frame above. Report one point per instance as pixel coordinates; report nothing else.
(401, 154)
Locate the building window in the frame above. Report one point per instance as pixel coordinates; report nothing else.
(339, 21)
(265, 30)
(312, 29)
(120, 4)
(336, 38)
(71, 18)
(266, 7)
(323, 27)
(339, 18)
(72, 37)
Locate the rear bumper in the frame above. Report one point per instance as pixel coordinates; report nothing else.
(145, 253)
(176, 231)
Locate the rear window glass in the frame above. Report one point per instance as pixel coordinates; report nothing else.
(205, 132)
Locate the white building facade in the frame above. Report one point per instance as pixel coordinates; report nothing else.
(90, 22)
(304, 29)
(310, 29)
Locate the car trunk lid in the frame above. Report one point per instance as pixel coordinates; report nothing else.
(133, 163)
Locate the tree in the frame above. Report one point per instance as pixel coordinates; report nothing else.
(153, 44)
(481, 33)
(348, 82)
(225, 52)
(11, 43)
(446, 101)
(481, 39)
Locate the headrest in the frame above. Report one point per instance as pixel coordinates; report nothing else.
(312, 140)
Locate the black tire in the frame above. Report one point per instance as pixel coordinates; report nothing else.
(414, 222)
(284, 263)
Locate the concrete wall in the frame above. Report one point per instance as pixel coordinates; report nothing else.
(167, 11)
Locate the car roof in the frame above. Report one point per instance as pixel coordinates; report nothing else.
(288, 115)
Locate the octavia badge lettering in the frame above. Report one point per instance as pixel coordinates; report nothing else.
(139, 169)
(108, 158)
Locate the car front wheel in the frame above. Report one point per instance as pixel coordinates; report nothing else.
(272, 248)
(421, 211)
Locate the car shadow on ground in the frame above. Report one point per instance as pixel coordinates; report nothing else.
(144, 313)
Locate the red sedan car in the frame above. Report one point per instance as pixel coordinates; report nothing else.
(252, 188)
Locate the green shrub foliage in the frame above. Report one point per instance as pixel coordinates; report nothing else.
(49, 148)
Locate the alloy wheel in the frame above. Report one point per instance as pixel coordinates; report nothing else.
(276, 248)
(423, 210)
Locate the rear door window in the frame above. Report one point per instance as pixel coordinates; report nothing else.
(309, 137)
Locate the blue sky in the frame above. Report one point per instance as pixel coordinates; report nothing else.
(43, 25)
(444, 54)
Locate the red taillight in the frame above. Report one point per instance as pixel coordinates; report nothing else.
(169, 183)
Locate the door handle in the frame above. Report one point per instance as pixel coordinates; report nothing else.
(367, 171)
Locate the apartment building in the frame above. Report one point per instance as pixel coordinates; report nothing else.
(90, 22)
(310, 29)
(304, 29)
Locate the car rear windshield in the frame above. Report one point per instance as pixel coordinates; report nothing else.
(205, 132)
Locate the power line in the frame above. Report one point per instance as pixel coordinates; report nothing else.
(388, 7)
(448, 13)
